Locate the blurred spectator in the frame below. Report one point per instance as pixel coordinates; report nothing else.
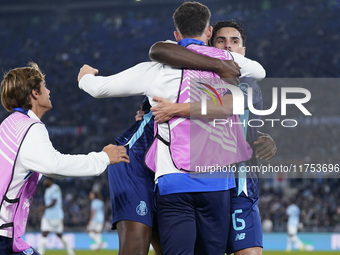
(267, 225)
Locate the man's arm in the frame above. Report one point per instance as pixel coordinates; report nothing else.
(93, 213)
(45, 159)
(130, 82)
(180, 57)
(165, 110)
(43, 208)
(54, 201)
(249, 68)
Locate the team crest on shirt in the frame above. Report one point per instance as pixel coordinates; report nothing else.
(29, 251)
(141, 209)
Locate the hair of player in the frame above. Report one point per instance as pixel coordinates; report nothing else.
(18, 84)
(229, 23)
(191, 19)
(50, 179)
(97, 194)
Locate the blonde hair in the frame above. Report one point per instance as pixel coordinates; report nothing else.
(18, 84)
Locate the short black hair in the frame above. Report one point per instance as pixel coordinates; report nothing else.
(229, 23)
(48, 179)
(191, 18)
(97, 194)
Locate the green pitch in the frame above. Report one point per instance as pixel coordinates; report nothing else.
(111, 252)
(300, 252)
(85, 252)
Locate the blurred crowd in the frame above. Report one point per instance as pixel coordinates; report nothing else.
(291, 39)
(316, 198)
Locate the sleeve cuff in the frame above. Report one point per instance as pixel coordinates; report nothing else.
(104, 157)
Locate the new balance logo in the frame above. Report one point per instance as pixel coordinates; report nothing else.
(240, 236)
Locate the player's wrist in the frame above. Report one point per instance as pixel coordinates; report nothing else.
(176, 110)
(181, 110)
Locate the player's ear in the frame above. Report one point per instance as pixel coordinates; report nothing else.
(34, 94)
(209, 32)
(243, 51)
(178, 35)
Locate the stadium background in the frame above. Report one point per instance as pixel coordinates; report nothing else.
(291, 39)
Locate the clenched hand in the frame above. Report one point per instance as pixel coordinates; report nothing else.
(86, 69)
(116, 154)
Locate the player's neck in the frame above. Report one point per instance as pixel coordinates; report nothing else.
(200, 38)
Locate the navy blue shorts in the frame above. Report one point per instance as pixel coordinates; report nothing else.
(245, 229)
(6, 248)
(131, 191)
(194, 223)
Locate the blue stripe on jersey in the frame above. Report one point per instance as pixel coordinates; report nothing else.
(251, 134)
(184, 182)
(241, 166)
(28, 175)
(145, 128)
(140, 130)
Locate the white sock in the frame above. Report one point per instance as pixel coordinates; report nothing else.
(298, 242)
(67, 247)
(97, 237)
(289, 243)
(42, 246)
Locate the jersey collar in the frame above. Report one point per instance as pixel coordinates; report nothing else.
(186, 41)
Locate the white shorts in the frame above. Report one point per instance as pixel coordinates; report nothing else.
(54, 226)
(95, 226)
(292, 230)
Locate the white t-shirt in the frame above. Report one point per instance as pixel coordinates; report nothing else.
(98, 206)
(56, 211)
(293, 212)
